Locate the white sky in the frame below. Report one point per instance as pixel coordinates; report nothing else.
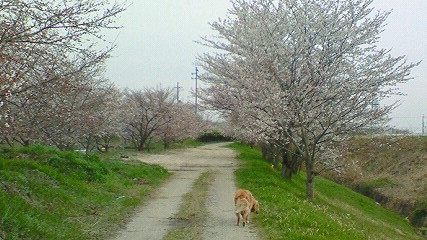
(156, 47)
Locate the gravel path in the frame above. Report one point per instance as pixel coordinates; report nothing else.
(152, 221)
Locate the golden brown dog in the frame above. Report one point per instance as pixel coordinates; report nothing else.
(244, 204)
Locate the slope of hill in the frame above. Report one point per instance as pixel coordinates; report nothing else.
(392, 170)
(336, 213)
(49, 194)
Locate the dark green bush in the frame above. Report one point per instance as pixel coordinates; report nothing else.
(213, 136)
(368, 187)
(419, 216)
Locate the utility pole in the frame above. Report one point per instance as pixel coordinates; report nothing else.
(177, 92)
(423, 127)
(196, 78)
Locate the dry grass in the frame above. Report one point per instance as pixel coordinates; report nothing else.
(393, 170)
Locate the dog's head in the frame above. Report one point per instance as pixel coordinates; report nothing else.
(255, 207)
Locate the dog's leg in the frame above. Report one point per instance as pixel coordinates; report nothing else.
(238, 218)
(246, 218)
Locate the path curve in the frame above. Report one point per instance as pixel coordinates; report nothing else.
(155, 218)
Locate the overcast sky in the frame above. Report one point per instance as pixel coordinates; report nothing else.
(156, 47)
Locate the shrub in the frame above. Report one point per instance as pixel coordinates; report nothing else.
(213, 136)
(419, 216)
(367, 188)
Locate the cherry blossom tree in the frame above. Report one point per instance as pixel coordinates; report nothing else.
(109, 116)
(78, 109)
(145, 112)
(183, 124)
(71, 109)
(38, 36)
(99, 118)
(302, 73)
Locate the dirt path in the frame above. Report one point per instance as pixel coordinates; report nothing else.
(153, 220)
(221, 224)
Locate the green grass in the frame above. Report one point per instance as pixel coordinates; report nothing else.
(50, 194)
(192, 212)
(368, 187)
(336, 213)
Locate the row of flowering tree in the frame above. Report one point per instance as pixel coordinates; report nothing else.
(298, 76)
(89, 113)
(48, 62)
(52, 89)
(153, 114)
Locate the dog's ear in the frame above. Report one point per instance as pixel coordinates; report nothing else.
(253, 208)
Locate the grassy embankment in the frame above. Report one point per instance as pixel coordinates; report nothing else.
(393, 171)
(336, 213)
(50, 194)
(192, 211)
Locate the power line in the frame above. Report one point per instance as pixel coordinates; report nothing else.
(177, 91)
(413, 127)
(196, 78)
(407, 117)
(423, 127)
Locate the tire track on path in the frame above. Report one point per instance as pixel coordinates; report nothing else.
(155, 218)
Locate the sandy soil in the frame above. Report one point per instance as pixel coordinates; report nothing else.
(153, 220)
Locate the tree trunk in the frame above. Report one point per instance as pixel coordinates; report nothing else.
(286, 172)
(165, 144)
(276, 161)
(286, 165)
(166, 141)
(264, 150)
(148, 144)
(310, 179)
(87, 144)
(108, 140)
(270, 156)
(8, 141)
(140, 146)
